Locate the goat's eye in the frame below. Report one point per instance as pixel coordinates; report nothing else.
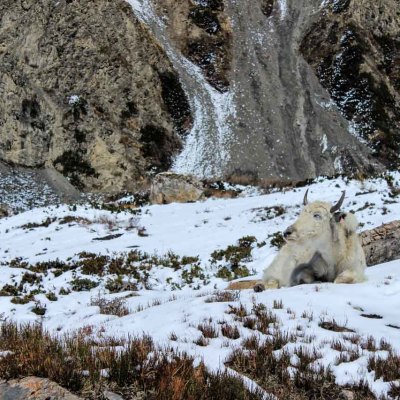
(317, 216)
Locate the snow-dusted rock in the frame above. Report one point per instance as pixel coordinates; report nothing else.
(33, 388)
(169, 187)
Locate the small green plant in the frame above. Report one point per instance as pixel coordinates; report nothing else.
(277, 240)
(22, 300)
(92, 264)
(117, 285)
(44, 224)
(83, 284)
(195, 272)
(9, 290)
(30, 279)
(18, 263)
(233, 273)
(39, 309)
(230, 260)
(51, 296)
(64, 292)
(267, 213)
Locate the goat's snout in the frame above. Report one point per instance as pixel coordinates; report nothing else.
(288, 232)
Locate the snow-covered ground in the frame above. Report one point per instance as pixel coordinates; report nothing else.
(174, 304)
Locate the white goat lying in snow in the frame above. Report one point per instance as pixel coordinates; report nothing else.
(322, 245)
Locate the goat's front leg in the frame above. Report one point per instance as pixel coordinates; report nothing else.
(278, 272)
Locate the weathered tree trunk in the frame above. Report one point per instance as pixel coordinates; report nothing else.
(381, 244)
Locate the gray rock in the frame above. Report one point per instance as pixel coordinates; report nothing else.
(32, 388)
(111, 395)
(168, 187)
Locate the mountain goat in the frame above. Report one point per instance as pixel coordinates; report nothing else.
(322, 245)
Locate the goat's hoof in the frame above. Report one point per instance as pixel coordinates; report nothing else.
(259, 287)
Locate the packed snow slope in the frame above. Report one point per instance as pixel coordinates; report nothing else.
(171, 270)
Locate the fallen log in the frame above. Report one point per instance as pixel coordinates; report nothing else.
(381, 244)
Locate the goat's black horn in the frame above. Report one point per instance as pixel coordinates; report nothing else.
(337, 206)
(305, 201)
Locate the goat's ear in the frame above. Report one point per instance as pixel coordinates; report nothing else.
(350, 223)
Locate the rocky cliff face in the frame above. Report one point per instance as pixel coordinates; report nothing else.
(272, 89)
(87, 90)
(283, 128)
(354, 48)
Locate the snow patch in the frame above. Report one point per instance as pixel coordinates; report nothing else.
(283, 8)
(324, 143)
(73, 99)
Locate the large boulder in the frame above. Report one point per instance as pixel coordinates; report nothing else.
(168, 187)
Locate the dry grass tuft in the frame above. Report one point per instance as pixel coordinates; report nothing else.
(265, 319)
(387, 368)
(209, 331)
(110, 307)
(202, 341)
(239, 312)
(223, 296)
(230, 331)
(260, 361)
(277, 305)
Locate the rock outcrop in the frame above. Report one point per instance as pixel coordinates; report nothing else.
(86, 89)
(354, 48)
(168, 187)
(276, 120)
